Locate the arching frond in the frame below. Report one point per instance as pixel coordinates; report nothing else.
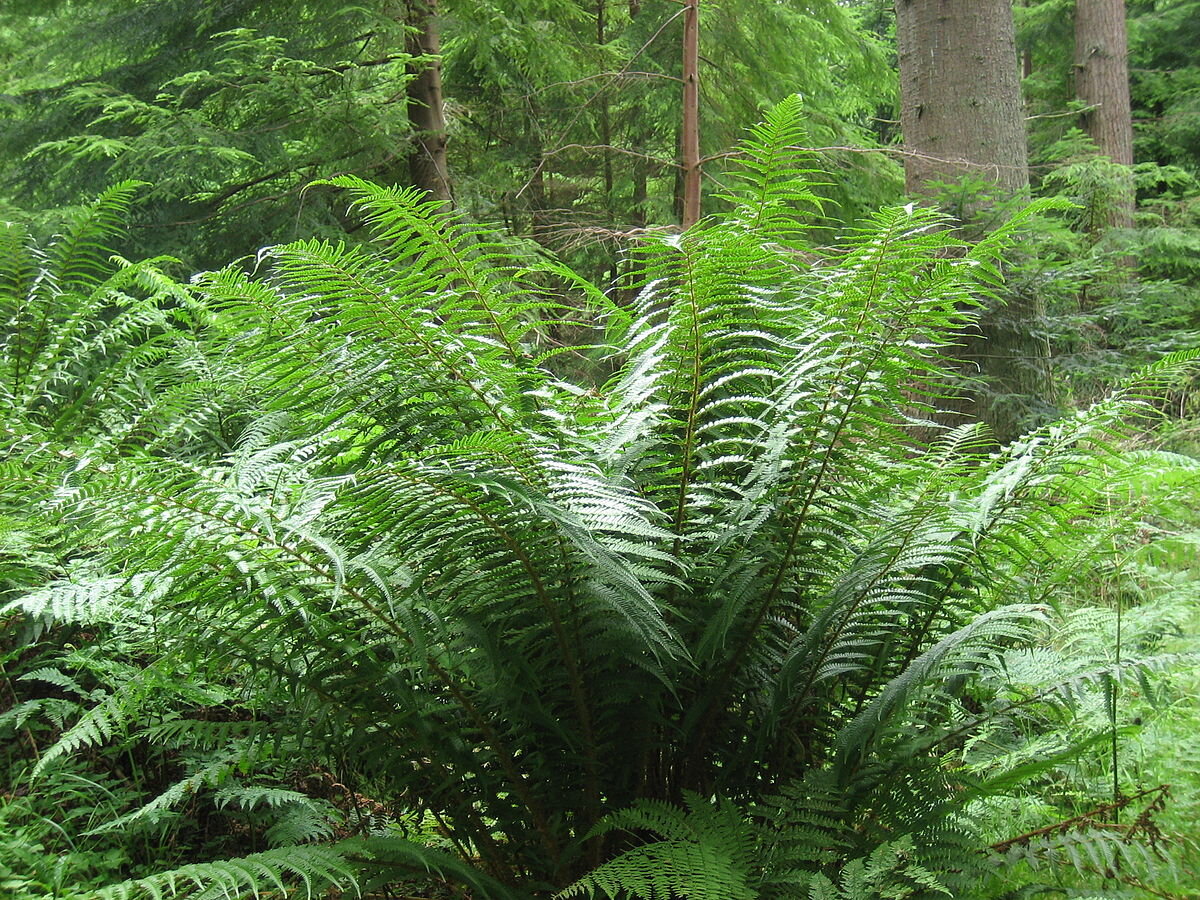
(315, 868)
(617, 630)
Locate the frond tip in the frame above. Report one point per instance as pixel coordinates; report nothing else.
(774, 176)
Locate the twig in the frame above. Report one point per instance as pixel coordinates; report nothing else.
(1060, 115)
(1065, 824)
(612, 149)
(566, 129)
(891, 151)
(614, 75)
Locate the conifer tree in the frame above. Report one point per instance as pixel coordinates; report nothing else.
(963, 122)
(1102, 86)
(427, 161)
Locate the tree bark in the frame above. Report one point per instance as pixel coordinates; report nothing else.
(605, 117)
(540, 226)
(961, 110)
(1102, 86)
(963, 117)
(690, 135)
(1026, 52)
(427, 161)
(639, 166)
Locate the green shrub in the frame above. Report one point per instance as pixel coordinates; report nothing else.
(724, 621)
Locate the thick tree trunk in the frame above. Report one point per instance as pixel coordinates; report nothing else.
(690, 134)
(427, 161)
(962, 116)
(961, 110)
(1102, 85)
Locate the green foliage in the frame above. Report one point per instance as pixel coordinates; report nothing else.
(104, 356)
(1165, 81)
(887, 873)
(98, 348)
(43, 852)
(318, 869)
(713, 852)
(561, 114)
(226, 109)
(549, 614)
(343, 567)
(1118, 297)
(1123, 654)
(702, 853)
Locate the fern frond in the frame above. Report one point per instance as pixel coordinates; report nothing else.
(304, 871)
(775, 177)
(80, 252)
(704, 852)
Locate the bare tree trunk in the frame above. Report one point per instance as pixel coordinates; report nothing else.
(427, 161)
(1102, 85)
(638, 164)
(690, 136)
(1027, 52)
(962, 116)
(961, 110)
(605, 114)
(641, 194)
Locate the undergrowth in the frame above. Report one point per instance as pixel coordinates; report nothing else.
(337, 580)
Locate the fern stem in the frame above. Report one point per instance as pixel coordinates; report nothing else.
(507, 761)
(689, 439)
(1112, 687)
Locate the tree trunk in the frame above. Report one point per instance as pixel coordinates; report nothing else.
(1027, 52)
(690, 135)
(963, 117)
(1102, 85)
(605, 114)
(961, 110)
(539, 216)
(427, 161)
(639, 165)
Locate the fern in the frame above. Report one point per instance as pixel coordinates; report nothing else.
(776, 180)
(95, 345)
(317, 869)
(605, 636)
(712, 851)
(705, 852)
(888, 872)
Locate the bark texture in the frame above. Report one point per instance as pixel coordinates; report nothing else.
(605, 117)
(690, 135)
(961, 110)
(427, 161)
(962, 115)
(1102, 85)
